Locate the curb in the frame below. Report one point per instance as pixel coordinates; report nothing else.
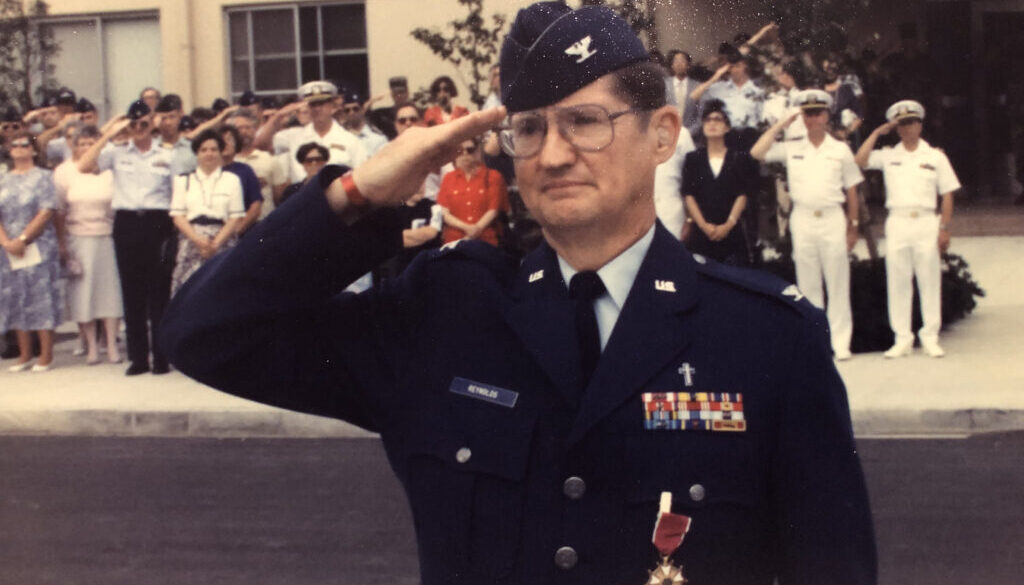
(283, 424)
(115, 423)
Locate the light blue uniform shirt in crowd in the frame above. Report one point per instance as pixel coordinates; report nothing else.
(142, 180)
(183, 159)
(617, 276)
(742, 103)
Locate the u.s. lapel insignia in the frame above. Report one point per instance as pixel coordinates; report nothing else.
(665, 285)
(537, 276)
(793, 291)
(581, 49)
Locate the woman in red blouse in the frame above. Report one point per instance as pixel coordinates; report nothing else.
(472, 196)
(442, 91)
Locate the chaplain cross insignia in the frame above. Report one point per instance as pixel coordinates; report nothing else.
(581, 49)
(687, 371)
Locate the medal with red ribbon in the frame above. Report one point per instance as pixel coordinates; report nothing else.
(669, 531)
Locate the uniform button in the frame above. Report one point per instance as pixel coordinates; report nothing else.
(463, 455)
(574, 488)
(566, 558)
(697, 492)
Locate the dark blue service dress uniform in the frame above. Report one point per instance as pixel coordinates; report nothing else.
(468, 368)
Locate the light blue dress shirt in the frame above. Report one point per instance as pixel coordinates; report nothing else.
(617, 276)
(142, 180)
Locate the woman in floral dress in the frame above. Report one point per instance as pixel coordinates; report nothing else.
(29, 296)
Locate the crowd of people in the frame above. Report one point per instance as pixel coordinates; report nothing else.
(104, 223)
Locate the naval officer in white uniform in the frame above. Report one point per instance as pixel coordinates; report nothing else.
(822, 176)
(915, 175)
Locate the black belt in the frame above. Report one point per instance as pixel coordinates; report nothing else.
(141, 212)
(206, 220)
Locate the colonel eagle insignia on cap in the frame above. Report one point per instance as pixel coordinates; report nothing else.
(581, 49)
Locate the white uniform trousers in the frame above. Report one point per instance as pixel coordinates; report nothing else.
(819, 251)
(912, 250)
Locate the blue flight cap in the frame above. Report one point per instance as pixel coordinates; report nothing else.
(552, 51)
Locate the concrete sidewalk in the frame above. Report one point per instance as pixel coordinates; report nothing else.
(977, 387)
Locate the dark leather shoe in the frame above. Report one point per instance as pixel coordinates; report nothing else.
(160, 368)
(135, 369)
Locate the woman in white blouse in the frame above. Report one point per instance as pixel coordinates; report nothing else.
(206, 206)
(87, 248)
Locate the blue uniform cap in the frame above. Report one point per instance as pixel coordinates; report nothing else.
(247, 98)
(65, 97)
(84, 106)
(551, 51)
(219, 105)
(137, 110)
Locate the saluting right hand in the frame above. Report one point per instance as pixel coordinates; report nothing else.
(885, 128)
(121, 123)
(721, 71)
(392, 175)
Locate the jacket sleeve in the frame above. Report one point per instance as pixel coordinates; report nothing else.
(265, 320)
(823, 514)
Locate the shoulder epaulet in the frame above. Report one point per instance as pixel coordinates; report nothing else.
(762, 283)
(496, 260)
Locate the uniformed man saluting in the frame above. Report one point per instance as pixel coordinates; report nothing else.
(915, 173)
(542, 417)
(822, 176)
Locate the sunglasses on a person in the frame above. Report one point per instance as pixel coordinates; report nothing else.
(21, 144)
(352, 109)
(467, 150)
(407, 119)
(714, 118)
(313, 159)
(10, 127)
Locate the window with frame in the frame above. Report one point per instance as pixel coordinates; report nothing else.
(275, 49)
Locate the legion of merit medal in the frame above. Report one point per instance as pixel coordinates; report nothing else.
(669, 531)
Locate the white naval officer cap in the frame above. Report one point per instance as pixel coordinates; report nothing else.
(318, 91)
(904, 110)
(813, 99)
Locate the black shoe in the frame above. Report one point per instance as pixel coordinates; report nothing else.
(161, 368)
(136, 368)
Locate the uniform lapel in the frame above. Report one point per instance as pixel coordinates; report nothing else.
(648, 334)
(542, 315)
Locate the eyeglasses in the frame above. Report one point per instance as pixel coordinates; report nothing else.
(588, 127)
(907, 121)
(136, 124)
(21, 144)
(313, 159)
(9, 127)
(467, 149)
(407, 119)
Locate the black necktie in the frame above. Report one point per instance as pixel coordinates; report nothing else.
(584, 288)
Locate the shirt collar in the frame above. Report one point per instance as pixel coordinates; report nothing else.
(922, 146)
(618, 274)
(204, 177)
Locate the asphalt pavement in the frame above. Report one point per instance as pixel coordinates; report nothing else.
(154, 511)
(977, 387)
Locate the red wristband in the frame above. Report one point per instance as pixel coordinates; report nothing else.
(351, 191)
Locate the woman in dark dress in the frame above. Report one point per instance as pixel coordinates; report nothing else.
(716, 181)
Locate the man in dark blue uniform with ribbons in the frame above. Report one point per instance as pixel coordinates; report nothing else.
(543, 417)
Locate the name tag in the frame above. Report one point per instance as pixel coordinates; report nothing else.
(798, 157)
(125, 166)
(485, 392)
